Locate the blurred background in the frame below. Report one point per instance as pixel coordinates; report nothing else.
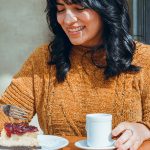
(23, 27)
(140, 17)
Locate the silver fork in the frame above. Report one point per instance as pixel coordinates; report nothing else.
(14, 112)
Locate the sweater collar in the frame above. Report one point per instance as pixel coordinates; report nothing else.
(95, 54)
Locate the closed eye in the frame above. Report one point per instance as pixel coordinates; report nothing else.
(60, 10)
(80, 8)
(60, 7)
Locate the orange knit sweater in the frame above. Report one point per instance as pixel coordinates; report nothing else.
(61, 108)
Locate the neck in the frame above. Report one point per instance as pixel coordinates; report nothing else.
(90, 48)
(93, 44)
(96, 47)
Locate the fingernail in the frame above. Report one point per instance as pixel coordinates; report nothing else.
(113, 132)
(116, 144)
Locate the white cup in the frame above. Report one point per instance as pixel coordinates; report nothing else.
(99, 128)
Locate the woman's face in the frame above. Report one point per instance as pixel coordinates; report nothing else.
(83, 26)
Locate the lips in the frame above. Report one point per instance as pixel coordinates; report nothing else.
(75, 30)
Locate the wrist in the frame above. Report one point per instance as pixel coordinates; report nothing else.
(146, 128)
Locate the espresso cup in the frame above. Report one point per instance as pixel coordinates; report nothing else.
(99, 128)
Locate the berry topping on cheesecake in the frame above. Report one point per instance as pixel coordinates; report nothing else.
(19, 134)
(18, 128)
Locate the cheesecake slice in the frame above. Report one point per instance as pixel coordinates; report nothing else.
(19, 134)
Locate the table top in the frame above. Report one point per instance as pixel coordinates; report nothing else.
(73, 139)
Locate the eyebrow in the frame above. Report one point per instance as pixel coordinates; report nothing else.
(60, 4)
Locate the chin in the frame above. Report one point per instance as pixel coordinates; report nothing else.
(77, 42)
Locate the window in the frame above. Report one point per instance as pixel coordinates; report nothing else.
(140, 17)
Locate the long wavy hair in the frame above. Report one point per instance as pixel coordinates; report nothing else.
(118, 43)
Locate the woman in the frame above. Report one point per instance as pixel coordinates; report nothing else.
(94, 66)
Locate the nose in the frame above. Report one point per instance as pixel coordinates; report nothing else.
(70, 18)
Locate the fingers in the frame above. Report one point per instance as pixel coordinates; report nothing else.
(130, 136)
(127, 145)
(120, 129)
(131, 144)
(124, 138)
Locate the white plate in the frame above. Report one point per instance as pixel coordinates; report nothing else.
(51, 142)
(83, 145)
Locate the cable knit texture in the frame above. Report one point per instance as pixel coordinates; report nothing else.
(62, 108)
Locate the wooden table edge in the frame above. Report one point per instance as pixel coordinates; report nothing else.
(73, 139)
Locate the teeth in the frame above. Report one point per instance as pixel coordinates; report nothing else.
(76, 29)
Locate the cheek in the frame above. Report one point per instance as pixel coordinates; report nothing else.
(91, 19)
(85, 17)
(60, 19)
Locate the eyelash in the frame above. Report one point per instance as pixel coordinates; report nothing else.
(82, 8)
(79, 9)
(59, 11)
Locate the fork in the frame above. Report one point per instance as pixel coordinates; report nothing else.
(14, 112)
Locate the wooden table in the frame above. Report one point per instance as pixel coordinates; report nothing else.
(73, 139)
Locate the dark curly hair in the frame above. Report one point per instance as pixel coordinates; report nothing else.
(118, 43)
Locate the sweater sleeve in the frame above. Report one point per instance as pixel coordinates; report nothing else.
(146, 100)
(20, 92)
(145, 93)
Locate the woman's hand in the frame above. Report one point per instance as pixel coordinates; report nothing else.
(131, 136)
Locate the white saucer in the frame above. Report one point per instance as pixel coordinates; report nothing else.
(51, 142)
(82, 144)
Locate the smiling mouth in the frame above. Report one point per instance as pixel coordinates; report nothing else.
(75, 30)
